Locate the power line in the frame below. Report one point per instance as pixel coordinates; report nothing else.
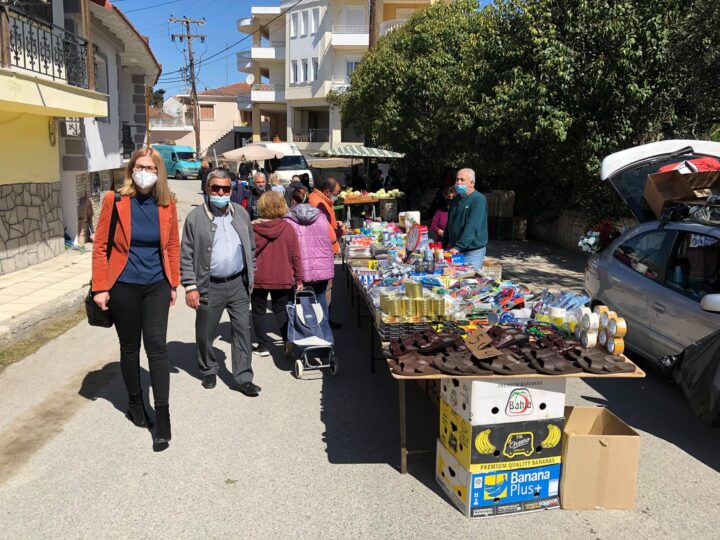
(153, 6)
(237, 42)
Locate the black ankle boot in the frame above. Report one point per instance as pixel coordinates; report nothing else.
(136, 412)
(162, 428)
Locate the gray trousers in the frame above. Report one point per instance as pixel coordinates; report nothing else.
(233, 296)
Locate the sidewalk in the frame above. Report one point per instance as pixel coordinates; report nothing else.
(34, 295)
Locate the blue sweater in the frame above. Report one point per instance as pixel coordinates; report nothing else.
(144, 266)
(467, 223)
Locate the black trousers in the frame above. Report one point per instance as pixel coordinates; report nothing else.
(142, 311)
(279, 299)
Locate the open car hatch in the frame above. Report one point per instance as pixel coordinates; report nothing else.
(627, 170)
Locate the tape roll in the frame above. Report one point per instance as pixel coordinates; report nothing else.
(602, 338)
(588, 339)
(601, 309)
(579, 312)
(578, 332)
(616, 346)
(591, 321)
(606, 317)
(617, 327)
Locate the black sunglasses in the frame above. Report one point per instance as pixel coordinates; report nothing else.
(225, 189)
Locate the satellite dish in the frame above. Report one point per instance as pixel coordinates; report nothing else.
(250, 79)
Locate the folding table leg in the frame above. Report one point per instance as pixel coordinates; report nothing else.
(403, 429)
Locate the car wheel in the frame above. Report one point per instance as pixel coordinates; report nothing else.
(178, 175)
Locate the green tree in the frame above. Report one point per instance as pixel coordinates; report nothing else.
(534, 93)
(157, 98)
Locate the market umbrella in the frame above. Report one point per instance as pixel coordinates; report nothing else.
(253, 152)
(361, 151)
(329, 163)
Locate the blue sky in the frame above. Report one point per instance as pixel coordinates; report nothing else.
(151, 19)
(220, 29)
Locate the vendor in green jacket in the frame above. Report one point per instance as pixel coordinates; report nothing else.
(466, 230)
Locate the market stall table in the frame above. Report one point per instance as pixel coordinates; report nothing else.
(360, 296)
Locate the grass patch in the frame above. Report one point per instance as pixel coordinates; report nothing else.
(26, 346)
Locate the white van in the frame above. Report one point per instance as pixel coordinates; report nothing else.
(292, 163)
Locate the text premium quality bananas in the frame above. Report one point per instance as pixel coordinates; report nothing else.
(553, 437)
(483, 444)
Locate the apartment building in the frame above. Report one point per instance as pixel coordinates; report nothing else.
(73, 75)
(302, 51)
(225, 124)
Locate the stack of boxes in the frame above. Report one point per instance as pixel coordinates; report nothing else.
(500, 444)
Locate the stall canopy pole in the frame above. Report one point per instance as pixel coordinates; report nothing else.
(216, 160)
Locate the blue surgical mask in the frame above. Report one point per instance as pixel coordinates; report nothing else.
(220, 201)
(461, 189)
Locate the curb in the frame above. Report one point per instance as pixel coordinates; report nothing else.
(32, 321)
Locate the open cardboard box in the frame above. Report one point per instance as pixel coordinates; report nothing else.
(601, 455)
(663, 189)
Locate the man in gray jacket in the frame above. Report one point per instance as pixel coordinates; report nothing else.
(217, 264)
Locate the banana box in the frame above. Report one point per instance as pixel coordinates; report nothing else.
(498, 401)
(515, 445)
(497, 492)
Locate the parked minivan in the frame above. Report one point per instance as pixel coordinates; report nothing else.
(180, 161)
(292, 163)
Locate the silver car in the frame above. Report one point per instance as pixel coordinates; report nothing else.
(664, 279)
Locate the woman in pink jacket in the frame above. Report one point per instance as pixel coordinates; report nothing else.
(316, 252)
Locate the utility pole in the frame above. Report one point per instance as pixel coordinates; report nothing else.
(372, 36)
(191, 67)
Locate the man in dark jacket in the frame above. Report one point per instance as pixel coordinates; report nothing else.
(258, 188)
(466, 231)
(242, 196)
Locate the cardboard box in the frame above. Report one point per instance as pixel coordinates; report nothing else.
(496, 493)
(601, 455)
(519, 228)
(516, 445)
(505, 202)
(506, 400)
(663, 189)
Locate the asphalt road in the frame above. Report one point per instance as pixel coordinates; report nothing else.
(306, 459)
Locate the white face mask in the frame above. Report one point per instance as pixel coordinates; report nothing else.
(144, 179)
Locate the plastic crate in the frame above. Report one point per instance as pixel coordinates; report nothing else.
(492, 269)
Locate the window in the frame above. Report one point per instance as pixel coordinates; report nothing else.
(351, 66)
(694, 268)
(294, 72)
(315, 20)
(207, 112)
(102, 82)
(643, 253)
(294, 25)
(315, 69)
(306, 75)
(305, 26)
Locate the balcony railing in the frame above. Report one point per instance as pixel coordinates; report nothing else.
(244, 55)
(170, 123)
(268, 92)
(389, 26)
(47, 49)
(312, 135)
(350, 29)
(340, 83)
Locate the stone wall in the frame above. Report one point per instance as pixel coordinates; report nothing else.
(94, 186)
(31, 224)
(566, 230)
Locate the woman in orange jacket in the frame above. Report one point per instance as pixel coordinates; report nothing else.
(135, 274)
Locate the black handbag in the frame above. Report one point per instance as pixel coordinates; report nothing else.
(95, 315)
